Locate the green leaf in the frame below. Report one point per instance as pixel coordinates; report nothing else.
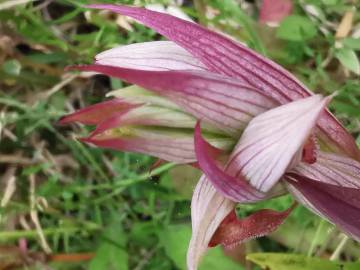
(111, 254)
(352, 43)
(176, 238)
(296, 28)
(348, 59)
(330, 2)
(279, 261)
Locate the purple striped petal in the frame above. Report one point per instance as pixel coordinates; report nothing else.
(228, 57)
(156, 55)
(340, 205)
(236, 189)
(208, 210)
(221, 101)
(332, 169)
(271, 141)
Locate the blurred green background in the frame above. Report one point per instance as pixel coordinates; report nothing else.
(79, 207)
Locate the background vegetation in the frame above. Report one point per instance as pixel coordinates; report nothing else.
(71, 206)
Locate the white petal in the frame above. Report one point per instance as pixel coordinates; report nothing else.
(272, 139)
(208, 210)
(155, 55)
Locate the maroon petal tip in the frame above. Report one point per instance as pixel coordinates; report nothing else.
(113, 7)
(86, 139)
(71, 68)
(97, 6)
(64, 120)
(233, 231)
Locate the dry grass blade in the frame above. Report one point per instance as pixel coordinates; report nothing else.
(10, 186)
(13, 3)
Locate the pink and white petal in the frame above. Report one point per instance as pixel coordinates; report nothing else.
(94, 114)
(155, 55)
(272, 139)
(168, 145)
(340, 205)
(176, 145)
(208, 210)
(223, 102)
(274, 11)
(228, 57)
(233, 231)
(235, 189)
(332, 169)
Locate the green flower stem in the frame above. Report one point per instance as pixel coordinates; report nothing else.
(316, 239)
(32, 234)
(285, 236)
(128, 182)
(336, 254)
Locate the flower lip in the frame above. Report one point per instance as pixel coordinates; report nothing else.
(233, 231)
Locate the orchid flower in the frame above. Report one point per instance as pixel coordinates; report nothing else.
(253, 129)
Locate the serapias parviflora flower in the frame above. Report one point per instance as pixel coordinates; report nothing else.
(201, 94)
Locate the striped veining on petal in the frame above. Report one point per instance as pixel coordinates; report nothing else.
(229, 57)
(272, 139)
(208, 210)
(332, 169)
(340, 205)
(236, 189)
(218, 100)
(155, 55)
(170, 144)
(165, 145)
